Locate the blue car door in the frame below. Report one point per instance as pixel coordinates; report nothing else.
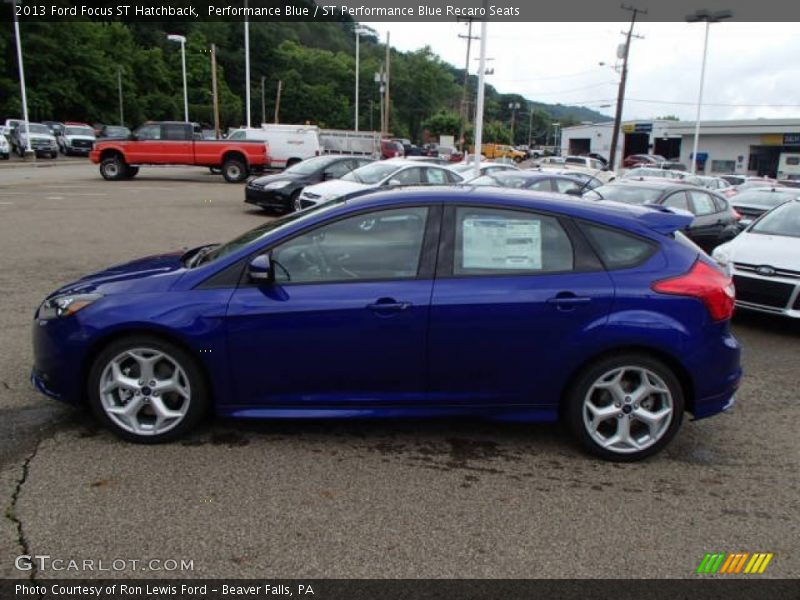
(345, 320)
(516, 297)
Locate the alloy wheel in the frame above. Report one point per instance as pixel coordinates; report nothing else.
(145, 391)
(628, 409)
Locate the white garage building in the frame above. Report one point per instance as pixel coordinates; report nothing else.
(748, 147)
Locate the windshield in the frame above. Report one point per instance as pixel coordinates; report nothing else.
(36, 128)
(87, 131)
(310, 165)
(766, 198)
(628, 194)
(259, 232)
(373, 173)
(784, 220)
(749, 185)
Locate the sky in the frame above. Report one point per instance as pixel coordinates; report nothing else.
(752, 68)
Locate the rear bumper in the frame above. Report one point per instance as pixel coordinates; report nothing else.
(717, 374)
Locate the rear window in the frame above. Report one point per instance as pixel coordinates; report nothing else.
(629, 194)
(617, 249)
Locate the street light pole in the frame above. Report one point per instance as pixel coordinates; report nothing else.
(709, 18)
(247, 64)
(119, 88)
(28, 150)
(358, 31)
(180, 39)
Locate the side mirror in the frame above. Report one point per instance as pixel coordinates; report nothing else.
(394, 182)
(574, 192)
(260, 269)
(327, 176)
(132, 137)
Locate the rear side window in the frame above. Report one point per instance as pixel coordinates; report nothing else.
(617, 249)
(508, 242)
(175, 132)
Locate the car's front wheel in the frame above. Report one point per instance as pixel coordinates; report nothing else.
(147, 390)
(625, 408)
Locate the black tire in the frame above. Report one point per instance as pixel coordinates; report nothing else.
(234, 170)
(518, 159)
(7, 156)
(131, 172)
(574, 407)
(113, 169)
(198, 402)
(54, 154)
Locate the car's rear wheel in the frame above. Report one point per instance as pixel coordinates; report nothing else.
(147, 390)
(113, 169)
(234, 170)
(625, 408)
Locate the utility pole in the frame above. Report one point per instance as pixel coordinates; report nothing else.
(387, 102)
(622, 81)
(480, 101)
(278, 100)
(214, 96)
(514, 106)
(380, 79)
(464, 108)
(263, 101)
(530, 123)
(119, 90)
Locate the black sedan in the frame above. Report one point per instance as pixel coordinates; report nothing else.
(276, 193)
(715, 222)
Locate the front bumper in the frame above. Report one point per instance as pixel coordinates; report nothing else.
(59, 349)
(776, 295)
(275, 200)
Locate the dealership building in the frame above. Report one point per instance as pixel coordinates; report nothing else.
(747, 147)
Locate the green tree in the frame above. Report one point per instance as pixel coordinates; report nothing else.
(443, 123)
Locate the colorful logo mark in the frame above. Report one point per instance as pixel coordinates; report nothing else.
(736, 562)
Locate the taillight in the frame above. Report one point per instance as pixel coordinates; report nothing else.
(706, 283)
(736, 214)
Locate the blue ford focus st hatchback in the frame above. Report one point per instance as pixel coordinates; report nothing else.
(502, 304)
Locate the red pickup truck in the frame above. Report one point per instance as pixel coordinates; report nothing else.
(177, 143)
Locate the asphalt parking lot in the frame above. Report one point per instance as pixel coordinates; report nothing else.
(368, 499)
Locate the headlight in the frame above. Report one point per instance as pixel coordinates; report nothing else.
(276, 185)
(723, 255)
(65, 306)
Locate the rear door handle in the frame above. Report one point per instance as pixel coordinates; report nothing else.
(388, 305)
(568, 300)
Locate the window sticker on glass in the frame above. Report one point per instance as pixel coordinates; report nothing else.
(496, 243)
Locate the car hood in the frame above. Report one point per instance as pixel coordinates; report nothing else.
(336, 188)
(80, 137)
(38, 136)
(148, 274)
(757, 249)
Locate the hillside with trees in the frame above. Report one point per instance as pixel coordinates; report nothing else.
(72, 72)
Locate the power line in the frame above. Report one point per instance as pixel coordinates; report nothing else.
(682, 103)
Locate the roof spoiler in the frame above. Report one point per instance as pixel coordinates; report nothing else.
(664, 219)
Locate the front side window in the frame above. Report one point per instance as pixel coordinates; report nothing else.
(338, 169)
(175, 132)
(384, 244)
(565, 185)
(411, 176)
(508, 242)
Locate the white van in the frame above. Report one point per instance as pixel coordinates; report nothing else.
(789, 165)
(288, 144)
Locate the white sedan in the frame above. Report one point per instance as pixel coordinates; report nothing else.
(377, 175)
(764, 261)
